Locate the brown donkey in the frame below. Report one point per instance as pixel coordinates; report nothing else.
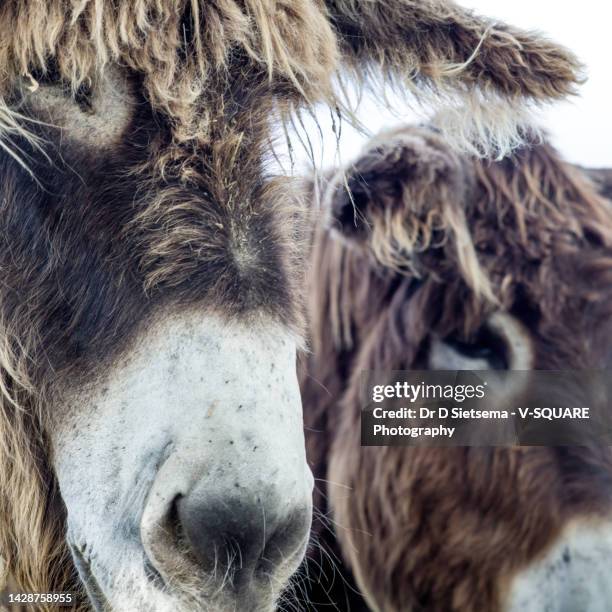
(441, 261)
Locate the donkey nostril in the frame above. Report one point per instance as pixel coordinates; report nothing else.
(153, 574)
(288, 539)
(240, 536)
(173, 522)
(222, 531)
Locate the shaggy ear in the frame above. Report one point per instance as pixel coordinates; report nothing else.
(406, 194)
(401, 175)
(435, 46)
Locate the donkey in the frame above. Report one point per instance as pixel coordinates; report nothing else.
(441, 261)
(151, 438)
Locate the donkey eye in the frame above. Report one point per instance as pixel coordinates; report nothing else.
(95, 114)
(49, 76)
(502, 343)
(486, 346)
(50, 86)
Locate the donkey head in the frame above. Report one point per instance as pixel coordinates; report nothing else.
(523, 237)
(150, 427)
(445, 262)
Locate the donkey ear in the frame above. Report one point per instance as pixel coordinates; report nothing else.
(400, 175)
(436, 47)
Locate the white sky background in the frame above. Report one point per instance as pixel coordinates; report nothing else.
(581, 128)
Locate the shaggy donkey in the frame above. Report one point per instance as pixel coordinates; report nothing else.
(440, 261)
(151, 439)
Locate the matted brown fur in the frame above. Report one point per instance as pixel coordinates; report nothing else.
(446, 529)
